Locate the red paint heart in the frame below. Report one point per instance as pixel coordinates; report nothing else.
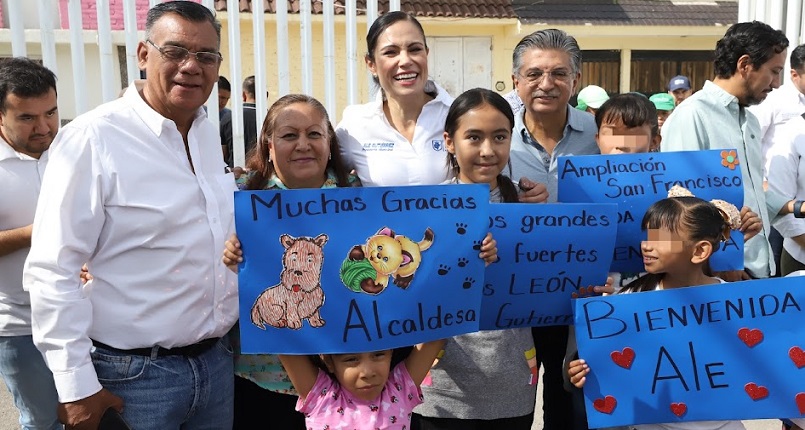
(605, 405)
(750, 337)
(679, 409)
(755, 391)
(797, 356)
(800, 399)
(623, 358)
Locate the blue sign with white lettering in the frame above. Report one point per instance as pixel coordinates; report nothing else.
(718, 352)
(636, 181)
(547, 254)
(359, 269)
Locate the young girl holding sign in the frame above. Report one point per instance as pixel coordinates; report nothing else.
(360, 390)
(683, 232)
(483, 380)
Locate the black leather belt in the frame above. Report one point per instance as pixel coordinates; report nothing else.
(193, 350)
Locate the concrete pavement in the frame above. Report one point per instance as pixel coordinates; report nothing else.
(9, 418)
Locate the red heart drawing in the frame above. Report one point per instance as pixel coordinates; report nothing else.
(797, 356)
(679, 409)
(605, 405)
(623, 358)
(750, 337)
(755, 391)
(800, 399)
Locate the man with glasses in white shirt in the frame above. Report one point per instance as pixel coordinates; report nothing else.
(137, 189)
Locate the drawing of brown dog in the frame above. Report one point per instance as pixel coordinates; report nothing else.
(298, 296)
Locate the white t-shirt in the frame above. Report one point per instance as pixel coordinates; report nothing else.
(381, 156)
(21, 176)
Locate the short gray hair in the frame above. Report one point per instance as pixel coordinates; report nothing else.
(548, 39)
(188, 10)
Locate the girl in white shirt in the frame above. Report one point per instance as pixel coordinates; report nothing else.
(683, 232)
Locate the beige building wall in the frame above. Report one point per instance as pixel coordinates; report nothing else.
(498, 30)
(505, 34)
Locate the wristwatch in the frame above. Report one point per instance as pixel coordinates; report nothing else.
(798, 209)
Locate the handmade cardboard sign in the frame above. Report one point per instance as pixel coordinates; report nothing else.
(719, 352)
(635, 181)
(548, 254)
(359, 269)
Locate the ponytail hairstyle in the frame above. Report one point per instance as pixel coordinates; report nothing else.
(701, 219)
(473, 99)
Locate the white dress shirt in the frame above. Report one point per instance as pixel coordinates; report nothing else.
(21, 178)
(779, 106)
(787, 178)
(381, 156)
(119, 194)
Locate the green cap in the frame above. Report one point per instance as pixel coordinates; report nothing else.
(591, 96)
(663, 101)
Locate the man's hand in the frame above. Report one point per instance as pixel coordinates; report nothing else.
(532, 192)
(733, 275)
(232, 253)
(751, 223)
(85, 414)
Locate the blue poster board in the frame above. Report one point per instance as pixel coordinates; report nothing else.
(548, 254)
(359, 269)
(635, 181)
(719, 352)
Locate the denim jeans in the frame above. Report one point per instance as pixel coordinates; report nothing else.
(171, 392)
(30, 382)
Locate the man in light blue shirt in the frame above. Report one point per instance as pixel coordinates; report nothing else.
(749, 59)
(546, 70)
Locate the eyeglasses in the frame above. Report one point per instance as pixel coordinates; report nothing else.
(537, 76)
(177, 54)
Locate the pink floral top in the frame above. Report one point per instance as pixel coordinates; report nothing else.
(329, 406)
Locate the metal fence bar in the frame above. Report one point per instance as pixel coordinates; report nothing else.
(260, 85)
(15, 21)
(77, 55)
(329, 58)
(283, 74)
(352, 51)
(132, 39)
(48, 38)
(306, 33)
(108, 91)
(235, 73)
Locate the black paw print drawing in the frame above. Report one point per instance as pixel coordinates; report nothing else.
(468, 283)
(462, 262)
(476, 245)
(443, 270)
(461, 228)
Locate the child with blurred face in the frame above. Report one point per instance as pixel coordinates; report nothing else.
(627, 123)
(681, 235)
